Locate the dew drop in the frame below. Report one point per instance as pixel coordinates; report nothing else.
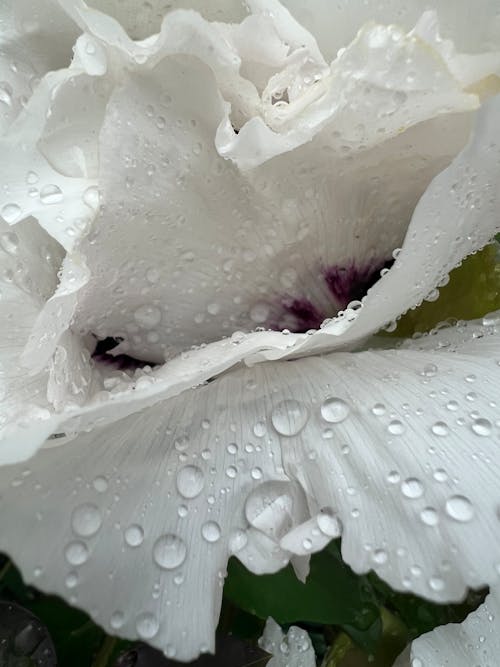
(412, 488)
(429, 516)
(211, 531)
(440, 429)
(91, 197)
(147, 625)
(100, 484)
(459, 508)
(169, 551)
(334, 410)
(256, 473)
(11, 212)
(76, 553)
(86, 520)
(190, 481)
(117, 620)
(134, 535)
(396, 427)
(259, 430)
(378, 409)
(259, 313)
(289, 417)
(482, 427)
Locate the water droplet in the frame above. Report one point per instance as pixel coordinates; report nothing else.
(134, 535)
(51, 194)
(10, 243)
(169, 551)
(452, 405)
(459, 508)
(32, 177)
(76, 553)
(147, 625)
(211, 531)
(100, 484)
(378, 409)
(396, 427)
(329, 524)
(429, 516)
(147, 316)
(91, 197)
(482, 427)
(440, 429)
(412, 488)
(231, 472)
(256, 473)
(5, 94)
(117, 620)
(430, 370)
(11, 212)
(334, 410)
(259, 313)
(71, 580)
(289, 417)
(86, 520)
(190, 481)
(259, 430)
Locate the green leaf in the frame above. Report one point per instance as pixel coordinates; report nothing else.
(473, 291)
(332, 594)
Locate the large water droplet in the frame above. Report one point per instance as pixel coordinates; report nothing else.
(289, 417)
(334, 410)
(147, 625)
(86, 520)
(429, 516)
(412, 488)
(482, 427)
(459, 508)
(211, 531)
(11, 212)
(169, 551)
(440, 429)
(190, 481)
(396, 427)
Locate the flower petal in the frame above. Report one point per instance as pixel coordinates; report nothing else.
(476, 641)
(149, 511)
(291, 650)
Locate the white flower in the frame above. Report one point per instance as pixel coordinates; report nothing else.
(174, 193)
(476, 641)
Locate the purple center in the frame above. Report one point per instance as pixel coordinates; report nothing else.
(345, 284)
(121, 362)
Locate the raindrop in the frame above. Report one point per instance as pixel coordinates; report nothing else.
(440, 429)
(211, 531)
(117, 620)
(334, 410)
(100, 484)
(71, 580)
(289, 417)
(11, 212)
(134, 535)
(482, 427)
(190, 481)
(169, 551)
(459, 508)
(412, 488)
(429, 516)
(237, 541)
(256, 473)
(86, 520)
(396, 427)
(51, 194)
(259, 313)
(329, 524)
(5, 94)
(91, 197)
(32, 178)
(231, 472)
(378, 409)
(259, 430)
(76, 553)
(147, 625)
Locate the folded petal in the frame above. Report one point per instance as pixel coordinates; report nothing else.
(291, 650)
(476, 641)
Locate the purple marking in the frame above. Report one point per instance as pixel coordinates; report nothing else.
(306, 315)
(351, 283)
(121, 362)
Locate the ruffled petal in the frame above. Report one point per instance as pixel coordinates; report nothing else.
(291, 650)
(35, 37)
(476, 641)
(149, 511)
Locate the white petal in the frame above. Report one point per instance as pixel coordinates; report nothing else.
(29, 259)
(147, 510)
(36, 37)
(45, 174)
(291, 650)
(473, 28)
(476, 641)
